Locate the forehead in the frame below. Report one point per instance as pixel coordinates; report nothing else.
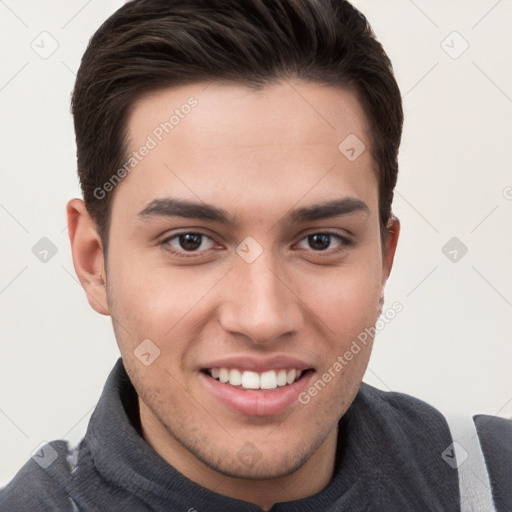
(276, 143)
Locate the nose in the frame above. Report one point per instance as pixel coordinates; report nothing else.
(260, 304)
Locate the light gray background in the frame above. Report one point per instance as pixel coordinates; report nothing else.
(451, 343)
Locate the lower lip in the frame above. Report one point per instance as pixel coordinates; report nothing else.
(257, 403)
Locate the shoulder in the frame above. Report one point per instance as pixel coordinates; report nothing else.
(400, 440)
(423, 432)
(42, 484)
(400, 409)
(413, 430)
(495, 435)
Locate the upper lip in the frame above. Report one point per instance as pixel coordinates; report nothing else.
(255, 364)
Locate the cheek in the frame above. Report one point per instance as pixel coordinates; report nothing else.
(346, 300)
(155, 301)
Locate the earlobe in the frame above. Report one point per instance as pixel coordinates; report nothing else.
(87, 251)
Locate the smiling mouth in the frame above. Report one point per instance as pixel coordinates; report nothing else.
(263, 381)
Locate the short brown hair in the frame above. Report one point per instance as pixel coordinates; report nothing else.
(153, 44)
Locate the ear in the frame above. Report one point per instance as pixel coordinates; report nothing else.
(87, 251)
(390, 243)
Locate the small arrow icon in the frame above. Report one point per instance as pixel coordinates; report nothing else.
(351, 147)
(249, 249)
(454, 249)
(249, 454)
(44, 44)
(454, 45)
(44, 250)
(45, 455)
(146, 352)
(454, 455)
(450, 454)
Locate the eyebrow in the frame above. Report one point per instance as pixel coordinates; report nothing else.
(330, 209)
(173, 207)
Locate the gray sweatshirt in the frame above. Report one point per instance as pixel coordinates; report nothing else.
(389, 459)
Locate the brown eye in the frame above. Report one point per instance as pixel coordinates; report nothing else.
(190, 242)
(319, 241)
(322, 242)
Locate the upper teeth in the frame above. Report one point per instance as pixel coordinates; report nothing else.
(253, 380)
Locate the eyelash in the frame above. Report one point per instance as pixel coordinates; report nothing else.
(344, 243)
(183, 253)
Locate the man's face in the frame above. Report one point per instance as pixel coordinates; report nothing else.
(246, 241)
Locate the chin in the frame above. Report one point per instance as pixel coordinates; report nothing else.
(269, 466)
